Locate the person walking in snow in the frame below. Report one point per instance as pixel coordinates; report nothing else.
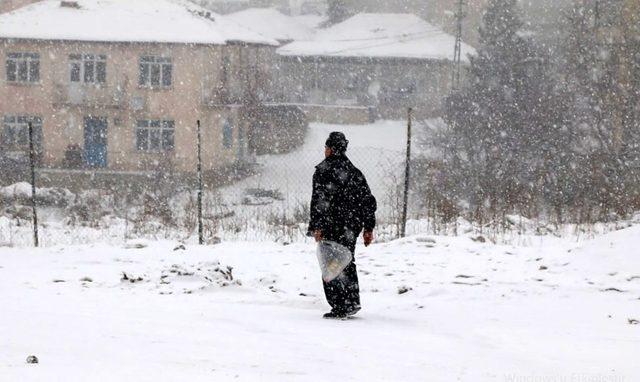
(342, 206)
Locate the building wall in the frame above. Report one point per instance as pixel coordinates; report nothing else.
(63, 105)
(387, 86)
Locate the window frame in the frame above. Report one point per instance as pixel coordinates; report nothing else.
(90, 69)
(151, 67)
(18, 62)
(17, 127)
(151, 131)
(609, 13)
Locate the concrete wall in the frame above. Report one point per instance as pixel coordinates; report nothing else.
(196, 70)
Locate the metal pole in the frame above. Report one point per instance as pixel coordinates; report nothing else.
(32, 162)
(457, 53)
(407, 170)
(200, 188)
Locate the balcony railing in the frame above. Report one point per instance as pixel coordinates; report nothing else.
(222, 96)
(109, 96)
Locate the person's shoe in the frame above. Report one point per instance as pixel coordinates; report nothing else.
(353, 311)
(335, 315)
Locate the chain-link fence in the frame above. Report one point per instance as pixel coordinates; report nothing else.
(268, 201)
(279, 195)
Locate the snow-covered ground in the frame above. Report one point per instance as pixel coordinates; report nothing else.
(472, 311)
(378, 149)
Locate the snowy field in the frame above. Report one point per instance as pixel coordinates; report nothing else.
(549, 311)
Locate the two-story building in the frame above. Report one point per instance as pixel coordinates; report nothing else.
(119, 84)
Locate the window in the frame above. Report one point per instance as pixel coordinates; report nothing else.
(318, 70)
(155, 71)
(352, 81)
(635, 68)
(407, 88)
(88, 68)
(226, 71)
(609, 13)
(15, 132)
(155, 135)
(23, 67)
(227, 134)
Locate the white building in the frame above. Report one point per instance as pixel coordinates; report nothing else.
(275, 25)
(372, 64)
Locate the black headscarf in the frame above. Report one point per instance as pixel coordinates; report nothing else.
(337, 142)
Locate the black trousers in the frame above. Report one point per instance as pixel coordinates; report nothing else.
(343, 292)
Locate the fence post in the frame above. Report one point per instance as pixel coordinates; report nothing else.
(200, 188)
(32, 164)
(407, 171)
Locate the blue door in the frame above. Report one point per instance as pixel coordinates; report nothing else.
(95, 141)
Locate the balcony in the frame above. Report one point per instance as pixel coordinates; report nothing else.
(104, 96)
(220, 96)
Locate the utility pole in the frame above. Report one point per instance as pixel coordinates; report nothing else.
(457, 52)
(200, 188)
(407, 178)
(32, 163)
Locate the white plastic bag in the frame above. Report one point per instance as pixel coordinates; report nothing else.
(333, 259)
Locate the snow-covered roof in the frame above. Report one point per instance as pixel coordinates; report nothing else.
(310, 20)
(169, 21)
(272, 23)
(380, 35)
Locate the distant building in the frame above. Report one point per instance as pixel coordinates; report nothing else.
(437, 12)
(617, 30)
(119, 84)
(228, 6)
(541, 16)
(272, 23)
(369, 66)
(290, 7)
(10, 5)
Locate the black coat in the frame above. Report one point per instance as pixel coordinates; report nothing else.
(342, 204)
